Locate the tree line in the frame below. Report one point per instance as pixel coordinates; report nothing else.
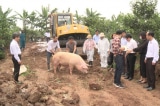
(144, 17)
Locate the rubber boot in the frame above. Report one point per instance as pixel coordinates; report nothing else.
(91, 63)
(48, 65)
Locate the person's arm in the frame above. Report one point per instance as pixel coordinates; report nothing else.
(113, 47)
(108, 45)
(84, 47)
(98, 46)
(156, 53)
(93, 37)
(58, 46)
(141, 46)
(95, 46)
(67, 48)
(15, 53)
(135, 44)
(75, 47)
(24, 37)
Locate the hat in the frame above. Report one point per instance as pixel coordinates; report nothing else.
(89, 36)
(70, 37)
(102, 35)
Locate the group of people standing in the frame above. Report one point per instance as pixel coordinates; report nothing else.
(101, 43)
(122, 50)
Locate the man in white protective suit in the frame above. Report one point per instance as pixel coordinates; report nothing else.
(103, 50)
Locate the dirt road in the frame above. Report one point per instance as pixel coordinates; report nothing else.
(46, 89)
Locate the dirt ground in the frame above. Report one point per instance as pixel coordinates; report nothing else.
(43, 88)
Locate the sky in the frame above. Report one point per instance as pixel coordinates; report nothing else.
(107, 8)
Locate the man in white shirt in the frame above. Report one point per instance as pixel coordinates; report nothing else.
(16, 56)
(152, 56)
(131, 57)
(47, 35)
(51, 48)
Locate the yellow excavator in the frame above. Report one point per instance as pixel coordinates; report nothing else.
(63, 26)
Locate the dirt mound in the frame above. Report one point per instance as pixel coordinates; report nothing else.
(23, 94)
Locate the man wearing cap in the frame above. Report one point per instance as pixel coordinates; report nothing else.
(71, 45)
(88, 48)
(103, 50)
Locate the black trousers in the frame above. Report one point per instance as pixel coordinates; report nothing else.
(142, 66)
(124, 62)
(111, 56)
(16, 68)
(131, 59)
(47, 39)
(150, 70)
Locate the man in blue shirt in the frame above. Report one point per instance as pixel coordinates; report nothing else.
(123, 39)
(96, 37)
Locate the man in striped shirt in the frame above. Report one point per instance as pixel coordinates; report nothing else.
(118, 55)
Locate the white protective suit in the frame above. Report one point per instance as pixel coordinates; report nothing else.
(88, 49)
(103, 48)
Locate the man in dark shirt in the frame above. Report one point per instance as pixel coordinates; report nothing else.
(71, 45)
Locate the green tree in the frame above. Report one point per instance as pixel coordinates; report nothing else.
(144, 17)
(78, 17)
(43, 17)
(92, 19)
(7, 27)
(24, 17)
(32, 18)
(144, 8)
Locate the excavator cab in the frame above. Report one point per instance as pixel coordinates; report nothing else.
(62, 25)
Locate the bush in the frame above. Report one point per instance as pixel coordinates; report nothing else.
(2, 55)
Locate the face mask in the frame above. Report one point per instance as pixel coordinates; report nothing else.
(140, 37)
(55, 40)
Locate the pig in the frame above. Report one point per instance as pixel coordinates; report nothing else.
(70, 60)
